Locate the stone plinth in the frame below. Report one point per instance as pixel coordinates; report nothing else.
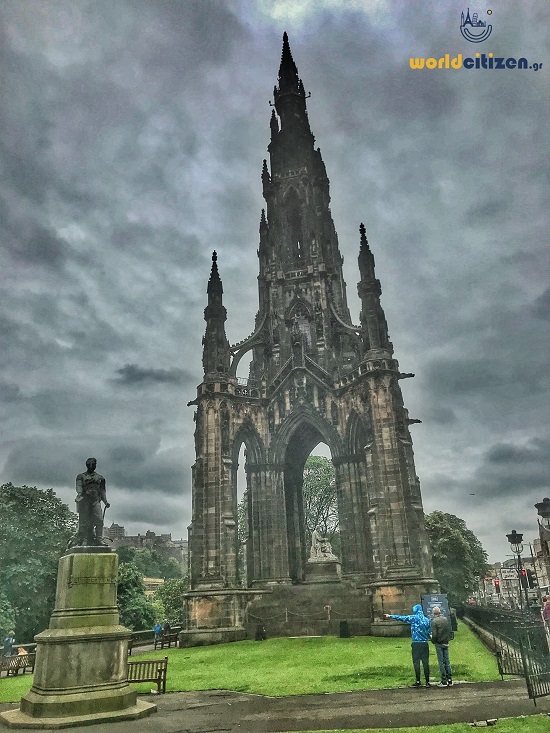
(397, 598)
(216, 616)
(323, 571)
(81, 659)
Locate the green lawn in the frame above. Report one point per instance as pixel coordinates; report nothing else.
(532, 724)
(281, 667)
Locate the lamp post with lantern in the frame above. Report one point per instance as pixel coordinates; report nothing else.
(516, 545)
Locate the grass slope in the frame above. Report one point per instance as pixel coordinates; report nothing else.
(279, 667)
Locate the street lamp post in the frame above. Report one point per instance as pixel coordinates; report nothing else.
(516, 545)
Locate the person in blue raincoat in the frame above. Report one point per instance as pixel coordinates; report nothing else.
(420, 636)
(9, 641)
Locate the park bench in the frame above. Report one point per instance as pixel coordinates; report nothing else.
(12, 665)
(149, 670)
(166, 640)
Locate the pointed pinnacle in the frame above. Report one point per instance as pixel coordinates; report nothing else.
(214, 274)
(214, 281)
(287, 71)
(363, 232)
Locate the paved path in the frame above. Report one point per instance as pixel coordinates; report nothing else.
(218, 711)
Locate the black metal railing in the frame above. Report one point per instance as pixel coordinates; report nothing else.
(521, 644)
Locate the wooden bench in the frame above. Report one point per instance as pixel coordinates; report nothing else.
(149, 670)
(12, 665)
(166, 640)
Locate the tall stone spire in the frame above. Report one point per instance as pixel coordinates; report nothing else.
(313, 377)
(288, 72)
(215, 355)
(290, 104)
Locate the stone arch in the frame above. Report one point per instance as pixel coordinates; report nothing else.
(357, 434)
(299, 319)
(305, 417)
(248, 434)
(296, 438)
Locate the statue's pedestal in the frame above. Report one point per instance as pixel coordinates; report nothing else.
(81, 674)
(323, 571)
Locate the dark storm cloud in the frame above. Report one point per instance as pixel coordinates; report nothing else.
(164, 472)
(508, 468)
(132, 374)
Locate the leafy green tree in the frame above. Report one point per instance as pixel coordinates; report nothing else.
(458, 555)
(171, 596)
(35, 526)
(150, 563)
(158, 607)
(136, 612)
(320, 501)
(7, 616)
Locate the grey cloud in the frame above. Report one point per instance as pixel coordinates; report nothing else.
(132, 374)
(508, 469)
(165, 473)
(541, 306)
(10, 393)
(441, 415)
(488, 210)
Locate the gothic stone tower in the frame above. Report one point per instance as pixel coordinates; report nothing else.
(314, 377)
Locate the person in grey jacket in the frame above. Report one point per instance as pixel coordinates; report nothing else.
(441, 635)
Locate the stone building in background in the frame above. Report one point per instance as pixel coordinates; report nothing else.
(163, 544)
(315, 377)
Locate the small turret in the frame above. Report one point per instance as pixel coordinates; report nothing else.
(373, 320)
(263, 222)
(215, 355)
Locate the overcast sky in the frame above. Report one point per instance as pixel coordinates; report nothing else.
(132, 134)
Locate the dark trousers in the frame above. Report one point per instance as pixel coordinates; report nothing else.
(421, 653)
(442, 651)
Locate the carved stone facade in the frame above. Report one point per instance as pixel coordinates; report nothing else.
(314, 377)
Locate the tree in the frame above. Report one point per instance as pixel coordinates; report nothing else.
(319, 497)
(150, 563)
(7, 616)
(458, 555)
(171, 596)
(136, 612)
(35, 527)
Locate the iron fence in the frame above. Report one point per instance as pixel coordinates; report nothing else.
(521, 646)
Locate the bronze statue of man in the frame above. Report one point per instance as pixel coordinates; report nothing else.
(90, 492)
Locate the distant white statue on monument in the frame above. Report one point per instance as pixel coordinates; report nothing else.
(321, 549)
